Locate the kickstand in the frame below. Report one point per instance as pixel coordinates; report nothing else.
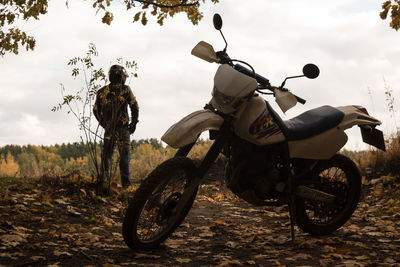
(292, 217)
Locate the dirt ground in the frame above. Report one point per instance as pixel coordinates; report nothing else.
(53, 223)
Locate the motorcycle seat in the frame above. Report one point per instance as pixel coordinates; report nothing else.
(312, 122)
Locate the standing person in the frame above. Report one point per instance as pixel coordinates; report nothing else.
(111, 111)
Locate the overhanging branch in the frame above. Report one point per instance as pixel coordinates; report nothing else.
(181, 4)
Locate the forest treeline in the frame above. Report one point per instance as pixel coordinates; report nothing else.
(31, 161)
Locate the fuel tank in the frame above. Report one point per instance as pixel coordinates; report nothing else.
(256, 124)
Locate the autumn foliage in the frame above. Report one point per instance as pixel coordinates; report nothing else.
(65, 160)
(391, 8)
(13, 12)
(8, 166)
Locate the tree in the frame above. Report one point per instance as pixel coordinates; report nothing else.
(392, 6)
(13, 11)
(28, 165)
(8, 167)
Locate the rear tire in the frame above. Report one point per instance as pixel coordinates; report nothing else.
(150, 217)
(338, 176)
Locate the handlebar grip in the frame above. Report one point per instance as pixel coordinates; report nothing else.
(300, 100)
(260, 79)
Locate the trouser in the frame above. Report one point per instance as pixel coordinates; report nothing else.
(121, 137)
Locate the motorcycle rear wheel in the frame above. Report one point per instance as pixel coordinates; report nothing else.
(150, 217)
(338, 176)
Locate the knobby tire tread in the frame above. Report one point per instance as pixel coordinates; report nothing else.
(141, 195)
(353, 177)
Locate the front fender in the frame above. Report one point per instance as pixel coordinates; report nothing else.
(187, 130)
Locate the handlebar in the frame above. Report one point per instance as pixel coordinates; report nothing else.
(260, 79)
(263, 81)
(299, 99)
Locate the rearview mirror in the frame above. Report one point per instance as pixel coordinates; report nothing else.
(217, 21)
(205, 51)
(311, 71)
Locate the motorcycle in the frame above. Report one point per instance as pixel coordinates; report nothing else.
(270, 162)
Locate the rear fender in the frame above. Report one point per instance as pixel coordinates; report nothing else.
(353, 115)
(187, 130)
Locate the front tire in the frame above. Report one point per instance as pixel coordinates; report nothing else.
(338, 176)
(150, 217)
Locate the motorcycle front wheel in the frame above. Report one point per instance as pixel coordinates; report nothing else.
(151, 217)
(340, 177)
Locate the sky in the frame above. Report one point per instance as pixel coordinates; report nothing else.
(357, 53)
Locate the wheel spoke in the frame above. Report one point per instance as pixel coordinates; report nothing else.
(333, 181)
(154, 222)
(338, 176)
(151, 216)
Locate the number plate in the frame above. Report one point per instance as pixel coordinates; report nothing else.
(373, 137)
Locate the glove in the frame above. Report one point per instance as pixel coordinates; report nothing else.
(132, 127)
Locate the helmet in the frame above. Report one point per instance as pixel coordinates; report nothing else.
(117, 74)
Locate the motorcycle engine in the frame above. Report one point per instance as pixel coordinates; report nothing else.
(252, 171)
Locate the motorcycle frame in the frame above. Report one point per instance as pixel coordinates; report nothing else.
(216, 149)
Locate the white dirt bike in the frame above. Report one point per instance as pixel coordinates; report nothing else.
(269, 161)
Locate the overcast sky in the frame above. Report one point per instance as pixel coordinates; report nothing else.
(355, 50)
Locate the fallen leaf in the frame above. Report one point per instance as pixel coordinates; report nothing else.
(362, 257)
(61, 253)
(230, 263)
(346, 250)
(37, 258)
(146, 256)
(231, 244)
(12, 240)
(183, 260)
(327, 248)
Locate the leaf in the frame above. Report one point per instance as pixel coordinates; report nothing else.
(219, 222)
(327, 248)
(386, 7)
(391, 229)
(346, 250)
(146, 256)
(230, 262)
(326, 262)
(302, 256)
(144, 18)
(75, 72)
(183, 260)
(107, 18)
(12, 240)
(231, 244)
(37, 258)
(61, 253)
(220, 197)
(136, 17)
(361, 258)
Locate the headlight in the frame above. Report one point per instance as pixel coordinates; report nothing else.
(221, 98)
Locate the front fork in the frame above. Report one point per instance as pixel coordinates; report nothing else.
(201, 170)
(184, 151)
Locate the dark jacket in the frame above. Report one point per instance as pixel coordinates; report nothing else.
(111, 106)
